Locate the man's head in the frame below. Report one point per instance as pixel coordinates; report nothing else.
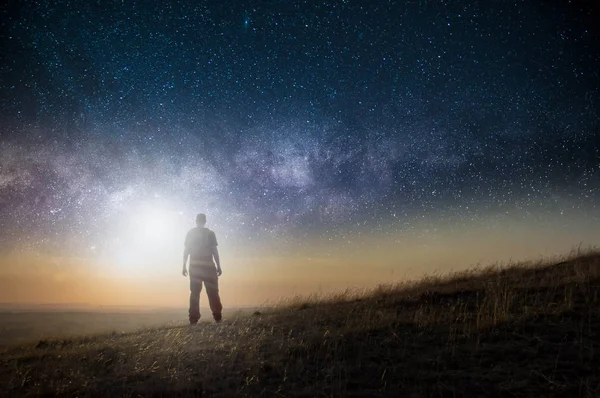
(201, 219)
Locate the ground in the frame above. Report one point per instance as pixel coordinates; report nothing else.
(519, 331)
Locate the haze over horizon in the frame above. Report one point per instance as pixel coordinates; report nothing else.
(331, 145)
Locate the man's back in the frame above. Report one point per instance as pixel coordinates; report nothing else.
(201, 248)
(199, 242)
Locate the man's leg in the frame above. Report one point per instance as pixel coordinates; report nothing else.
(212, 291)
(195, 289)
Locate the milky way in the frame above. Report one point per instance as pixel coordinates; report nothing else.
(292, 118)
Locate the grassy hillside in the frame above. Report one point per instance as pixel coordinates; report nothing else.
(527, 330)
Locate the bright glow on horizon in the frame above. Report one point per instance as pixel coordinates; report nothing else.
(147, 239)
(138, 273)
(154, 225)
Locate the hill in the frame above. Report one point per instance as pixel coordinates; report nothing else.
(523, 330)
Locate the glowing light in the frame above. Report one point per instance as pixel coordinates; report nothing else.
(154, 224)
(149, 240)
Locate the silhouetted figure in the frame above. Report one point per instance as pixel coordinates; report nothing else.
(201, 247)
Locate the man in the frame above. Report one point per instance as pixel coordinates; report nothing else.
(201, 248)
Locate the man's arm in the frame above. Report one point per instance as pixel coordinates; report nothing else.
(186, 254)
(215, 253)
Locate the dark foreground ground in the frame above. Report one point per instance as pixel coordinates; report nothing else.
(525, 331)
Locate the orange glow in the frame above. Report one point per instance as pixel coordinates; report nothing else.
(255, 276)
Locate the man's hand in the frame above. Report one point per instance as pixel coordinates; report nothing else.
(184, 271)
(219, 271)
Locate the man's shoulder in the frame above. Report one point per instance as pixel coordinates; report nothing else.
(200, 230)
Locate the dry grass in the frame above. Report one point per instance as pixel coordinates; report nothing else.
(520, 330)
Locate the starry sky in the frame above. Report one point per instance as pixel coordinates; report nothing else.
(338, 143)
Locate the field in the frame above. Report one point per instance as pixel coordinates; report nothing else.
(25, 326)
(526, 330)
(32, 324)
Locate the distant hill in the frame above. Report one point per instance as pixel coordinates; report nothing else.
(45, 307)
(530, 330)
(62, 307)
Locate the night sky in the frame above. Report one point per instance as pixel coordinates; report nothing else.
(292, 122)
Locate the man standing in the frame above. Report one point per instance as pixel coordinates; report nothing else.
(201, 248)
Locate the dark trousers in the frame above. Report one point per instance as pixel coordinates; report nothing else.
(211, 282)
